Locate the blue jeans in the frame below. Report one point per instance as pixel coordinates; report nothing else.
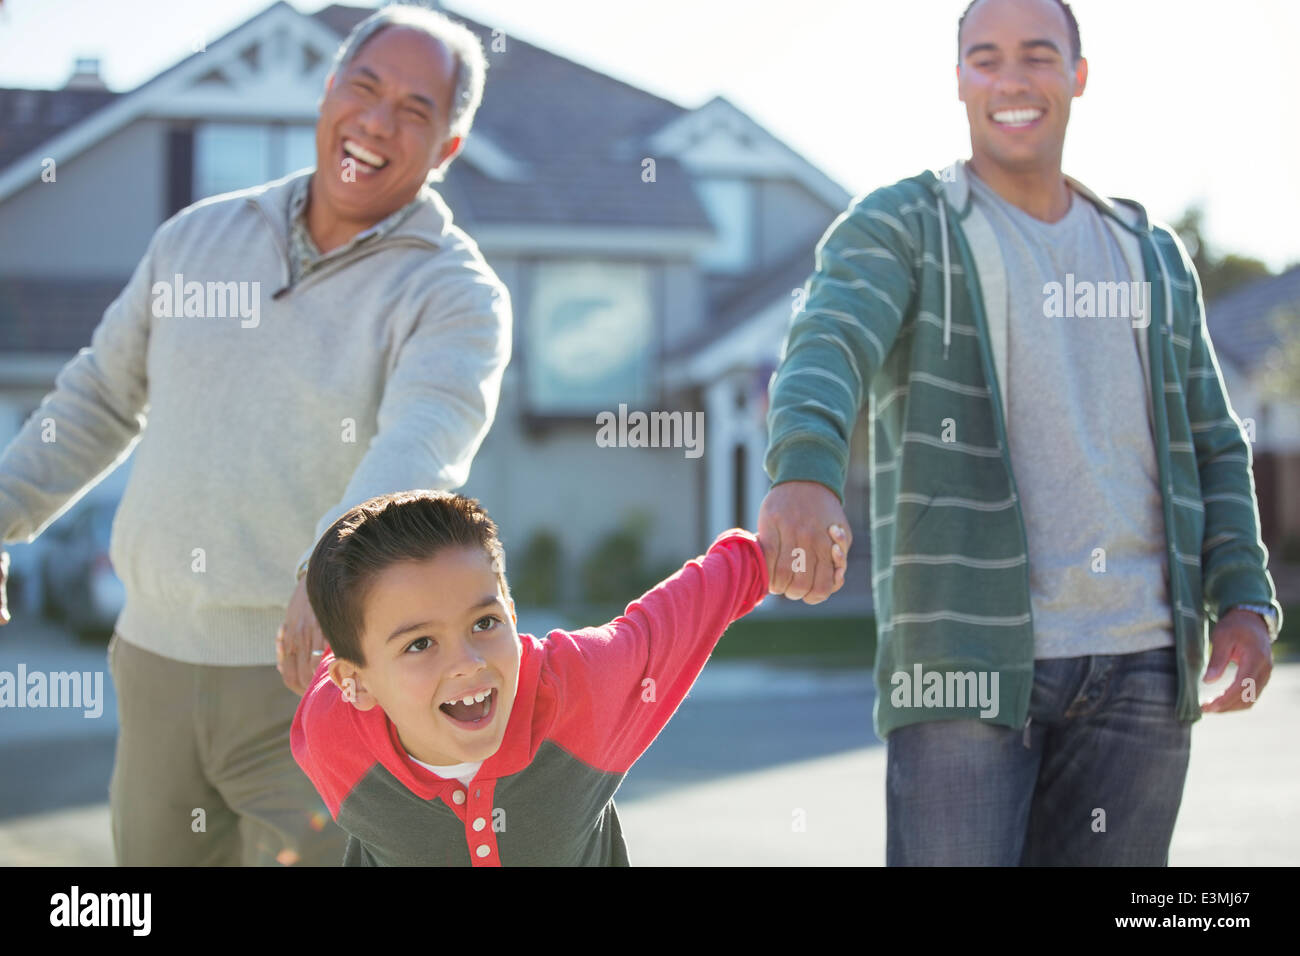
(1094, 779)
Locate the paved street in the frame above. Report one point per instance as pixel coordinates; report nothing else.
(761, 766)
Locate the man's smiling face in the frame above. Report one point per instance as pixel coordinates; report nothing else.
(384, 124)
(1017, 77)
(439, 633)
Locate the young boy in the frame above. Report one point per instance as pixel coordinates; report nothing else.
(438, 736)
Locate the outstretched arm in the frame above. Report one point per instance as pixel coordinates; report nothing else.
(86, 425)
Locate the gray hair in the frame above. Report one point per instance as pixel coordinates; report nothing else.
(471, 64)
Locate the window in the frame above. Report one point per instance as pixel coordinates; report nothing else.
(299, 149)
(230, 156)
(590, 335)
(729, 203)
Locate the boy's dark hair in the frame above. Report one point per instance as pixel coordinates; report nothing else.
(389, 529)
(1076, 45)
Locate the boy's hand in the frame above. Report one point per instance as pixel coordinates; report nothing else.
(838, 556)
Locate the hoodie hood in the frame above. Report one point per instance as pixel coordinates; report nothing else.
(953, 183)
(952, 192)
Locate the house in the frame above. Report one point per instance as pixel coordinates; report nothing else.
(1255, 329)
(651, 251)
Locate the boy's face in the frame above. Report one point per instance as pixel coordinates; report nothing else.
(437, 632)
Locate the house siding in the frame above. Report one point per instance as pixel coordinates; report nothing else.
(96, 218)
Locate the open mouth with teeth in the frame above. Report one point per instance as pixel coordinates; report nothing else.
(367, 163)
(1018, 119)
(473, 711)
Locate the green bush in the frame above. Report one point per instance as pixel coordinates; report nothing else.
(614, 573)
(535, 579)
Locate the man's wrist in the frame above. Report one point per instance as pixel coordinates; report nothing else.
(1264, 611)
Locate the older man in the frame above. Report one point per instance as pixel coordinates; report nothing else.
(1061, 497)
(370, 362)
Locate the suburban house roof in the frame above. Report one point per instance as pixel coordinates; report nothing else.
(749, 298)
(29, 118)
(1243, 321)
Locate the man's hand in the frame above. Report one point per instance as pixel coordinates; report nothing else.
(1239, 636)
(300, 644)
(793, 525)
(4, 581)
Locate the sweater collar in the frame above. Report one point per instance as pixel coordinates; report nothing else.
(430, 221)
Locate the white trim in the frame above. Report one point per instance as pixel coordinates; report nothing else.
(492, 161)
(758, 152)
(20, 369)
(750, 343)
(566, 239)
(719, 405)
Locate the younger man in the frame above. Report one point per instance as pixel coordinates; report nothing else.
(438, 736)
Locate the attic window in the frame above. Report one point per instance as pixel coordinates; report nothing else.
(730, 205)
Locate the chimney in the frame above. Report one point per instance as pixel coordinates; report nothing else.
(85, 75)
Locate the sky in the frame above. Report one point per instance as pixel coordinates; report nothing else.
(1188, 101)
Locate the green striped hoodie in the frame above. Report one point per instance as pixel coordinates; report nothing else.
(907, 311)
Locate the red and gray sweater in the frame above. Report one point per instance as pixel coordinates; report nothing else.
(588, 704)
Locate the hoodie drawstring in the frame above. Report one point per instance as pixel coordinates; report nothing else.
(947, 278)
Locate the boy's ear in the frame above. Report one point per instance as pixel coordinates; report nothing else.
(347, 678)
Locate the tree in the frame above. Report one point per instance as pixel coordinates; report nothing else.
(1279, 381)
(1219, 274)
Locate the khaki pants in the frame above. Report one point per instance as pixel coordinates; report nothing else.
(203, 774)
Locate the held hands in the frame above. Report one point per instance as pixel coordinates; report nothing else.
(299, 644)
(1242, 637)
(805, 538)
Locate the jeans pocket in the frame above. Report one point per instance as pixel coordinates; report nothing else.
(1149, 678)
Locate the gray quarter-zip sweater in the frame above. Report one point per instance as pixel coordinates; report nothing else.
(271, 409)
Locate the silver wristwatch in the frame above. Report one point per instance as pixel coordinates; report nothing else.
(1269, 615)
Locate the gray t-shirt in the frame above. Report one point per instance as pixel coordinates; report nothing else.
(1080, 439)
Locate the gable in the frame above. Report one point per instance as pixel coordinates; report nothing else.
(720, 140)
(272, 66)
